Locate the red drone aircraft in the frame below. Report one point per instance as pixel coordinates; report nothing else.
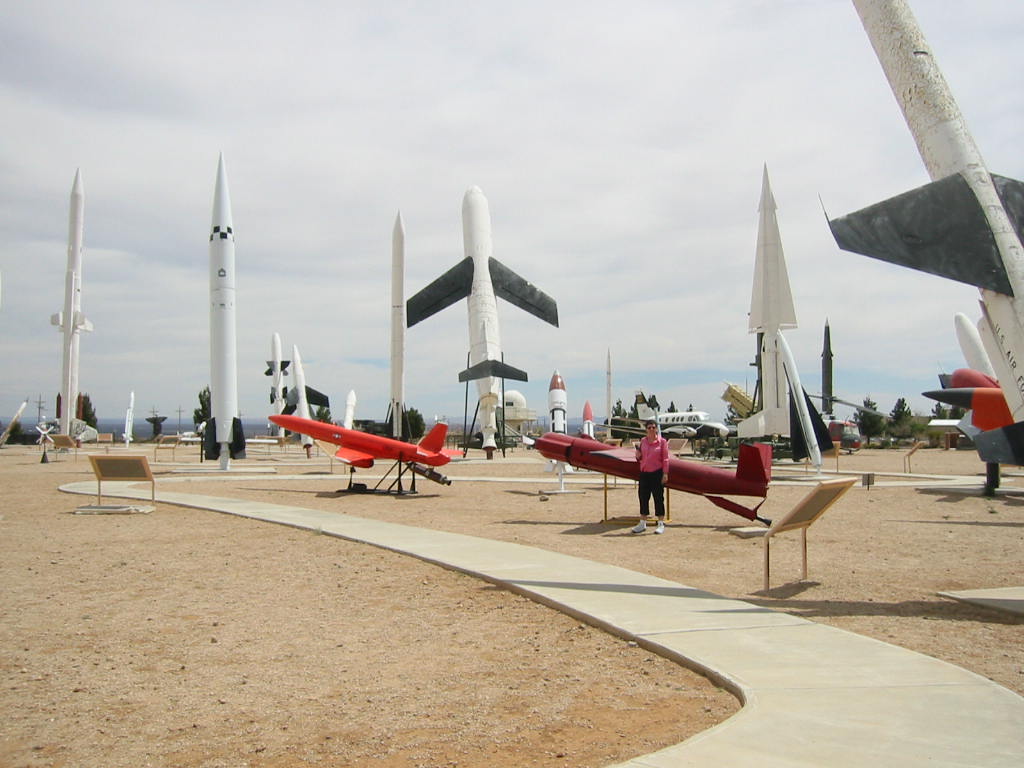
(751, 478)
(361, 449)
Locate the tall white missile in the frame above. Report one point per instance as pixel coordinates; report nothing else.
(70, 320)
(224, 437)
(481, 277)
(608, 390)
(397, 407)
(558, 403)
(14, 420)
(276, 369)
(129, 421)
(771, 310)
(960, 226)
(302, 405)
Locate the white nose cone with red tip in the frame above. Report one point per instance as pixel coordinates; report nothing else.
(558, 403)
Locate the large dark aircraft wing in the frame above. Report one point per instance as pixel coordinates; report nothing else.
(522, 293)
(939, 228)
(453, 285)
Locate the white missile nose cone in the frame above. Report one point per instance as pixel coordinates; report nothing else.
(77, 188)
(221, 196)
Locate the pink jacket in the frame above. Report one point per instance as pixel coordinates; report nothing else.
(654, 456)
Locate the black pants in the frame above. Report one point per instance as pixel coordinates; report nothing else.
(650, 485)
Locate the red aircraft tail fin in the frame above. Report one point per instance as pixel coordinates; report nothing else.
(755, 463)
(434, 439)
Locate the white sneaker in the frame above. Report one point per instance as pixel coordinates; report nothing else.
(640, 527)
(661, 527)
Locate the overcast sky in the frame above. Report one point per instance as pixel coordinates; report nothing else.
(620, 146)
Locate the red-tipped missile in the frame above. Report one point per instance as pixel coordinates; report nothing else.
(751, 478)
(558, 403)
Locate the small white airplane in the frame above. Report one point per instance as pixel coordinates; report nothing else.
(692, 424)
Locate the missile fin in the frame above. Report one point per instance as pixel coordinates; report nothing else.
(939, 228)
(317, 398)
(797, 438)
(1002, 446)
(492, 368)
(453, 285)
(237, 444)
(522, 293)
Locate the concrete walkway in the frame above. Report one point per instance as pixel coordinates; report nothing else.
(813, 695)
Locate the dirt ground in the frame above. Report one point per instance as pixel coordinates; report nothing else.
(190, 638)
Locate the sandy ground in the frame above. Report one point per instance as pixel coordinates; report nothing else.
(190, 638)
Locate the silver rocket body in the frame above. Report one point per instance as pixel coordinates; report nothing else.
(226, 427)
(70, 320)
(277, 379)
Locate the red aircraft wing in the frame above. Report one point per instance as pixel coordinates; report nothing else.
(353, 457)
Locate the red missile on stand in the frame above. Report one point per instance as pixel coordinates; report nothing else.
(751, 478)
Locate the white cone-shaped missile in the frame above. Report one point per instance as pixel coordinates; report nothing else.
(223, 340)
(397, 326)
(813, 451)
(771, 309)
(558, 403)
(302, 406)
(70, 320)
(971, 345)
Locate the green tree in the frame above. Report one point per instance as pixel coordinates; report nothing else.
(900, 419)
(202, 413)
(88, 413)
(323, 413)
(653, 402)
(939, 411)
(870, 422)
(417, 427)
(672, 407)
(619, 413)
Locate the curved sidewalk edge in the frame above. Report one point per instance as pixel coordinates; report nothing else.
(813, 695)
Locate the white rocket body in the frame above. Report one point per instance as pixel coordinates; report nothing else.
(129, 421)
(277, 379)
(771, 310)
(397, 326)
(484, 334)
(558, 403)
(350, 409)
(947, 148)
(223, 339)
(588, 419)
(70, 320)
(302, 405)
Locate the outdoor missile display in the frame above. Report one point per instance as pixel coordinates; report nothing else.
(129, 421)
(70, 320)
(301, 408)
(397, 406)
(964, 225)
(277, 369)
(481, 278)
(223, 438)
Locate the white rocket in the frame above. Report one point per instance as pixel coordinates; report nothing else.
(558, 403)
(277, 369)
(397, 406)
(14, 420)
(481, 278)
(224, 438)
(588, 419)
(70, 320)
(129, 421)
(350, 409)
(302, 404)
(771, 310)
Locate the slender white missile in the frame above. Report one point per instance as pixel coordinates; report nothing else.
(969, 338)
(350, 410)
(960, 226)
(588, 419)
(71, 321)
(481, 277)
(276, 369)
(558, 403)
(771, 309)
(608, 390)
(302, 405)
(224, 437)
(129, 421)
(397, 407)
(803, 410)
